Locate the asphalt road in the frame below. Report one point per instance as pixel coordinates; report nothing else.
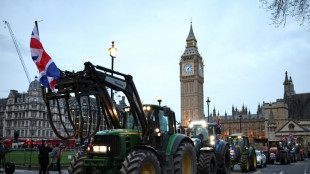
(300, 167)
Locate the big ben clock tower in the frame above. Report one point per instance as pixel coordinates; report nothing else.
(191, 78)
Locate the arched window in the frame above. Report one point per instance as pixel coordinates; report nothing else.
(291, 127)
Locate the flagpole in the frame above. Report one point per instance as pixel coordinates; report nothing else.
(36, 22)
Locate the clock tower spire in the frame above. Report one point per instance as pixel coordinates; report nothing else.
(191, 79)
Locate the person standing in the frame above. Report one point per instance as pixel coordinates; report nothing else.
(55, 158)
(43, 157)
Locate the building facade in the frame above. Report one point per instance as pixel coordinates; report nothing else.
(26, 113)
(191, 80)
(251, 125)
(290, 115)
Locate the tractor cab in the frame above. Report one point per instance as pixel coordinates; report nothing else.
(161, 121)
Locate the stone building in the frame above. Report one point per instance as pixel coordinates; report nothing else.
(252, 125)
(27, 113)
(2, 111)
(289, 115)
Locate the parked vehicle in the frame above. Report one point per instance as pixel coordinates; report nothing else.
(21, 142)
(261, 159)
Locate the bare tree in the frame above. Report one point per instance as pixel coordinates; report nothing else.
(281, 9)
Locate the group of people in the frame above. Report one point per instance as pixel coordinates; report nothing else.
(43, 157)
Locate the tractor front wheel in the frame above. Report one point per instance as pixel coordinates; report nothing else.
(207, 163)
(185, 159)
(77, 164)
(141, 161)
(245, 163)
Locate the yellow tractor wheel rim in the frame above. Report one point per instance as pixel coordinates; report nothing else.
(247, 164)
(254, 160)
(147, 168)
(187, 163)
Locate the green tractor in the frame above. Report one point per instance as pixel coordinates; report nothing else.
(241, 153)
(212, 152)
(139, 139)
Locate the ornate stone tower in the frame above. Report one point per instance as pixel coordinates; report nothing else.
(288, 87)
(191, 78)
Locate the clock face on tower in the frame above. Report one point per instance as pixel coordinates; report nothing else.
(200, 69)
(188, 69)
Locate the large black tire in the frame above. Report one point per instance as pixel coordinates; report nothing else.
(283, 158)
(245, 163)
(207, 163)
(77, 164)
(225, 168)
(9, 168)
(141, 161)
(232, 167)
(253, 161)
(185, 159)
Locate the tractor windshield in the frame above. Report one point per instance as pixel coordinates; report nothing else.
(198, 131)
(235, 141)
(277, 144)
(129, 121)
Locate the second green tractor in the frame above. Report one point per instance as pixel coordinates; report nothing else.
(241, 152)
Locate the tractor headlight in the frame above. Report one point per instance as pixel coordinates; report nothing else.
(232, 152)
(212, 140)
(212, 137)
(101, 149)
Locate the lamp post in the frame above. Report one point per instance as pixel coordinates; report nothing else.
(113, 52)
(240, 116)
(208, 102)
(159, 99)
(32, 130)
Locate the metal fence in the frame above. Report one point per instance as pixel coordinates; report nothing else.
(26, 157)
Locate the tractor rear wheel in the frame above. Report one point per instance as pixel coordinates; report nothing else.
(141, 161)
(207, 163)
(245, 163)
(283, 158)
(225, 168)
(184, 159)
(253, 161)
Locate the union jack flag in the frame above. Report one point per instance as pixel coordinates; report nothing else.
(219, 122)
(283, 138)
(49, 73)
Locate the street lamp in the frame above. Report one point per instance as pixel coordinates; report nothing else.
(32, 130)
(113, 52)
(208, 102)
(159, 99)
(240, 116)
